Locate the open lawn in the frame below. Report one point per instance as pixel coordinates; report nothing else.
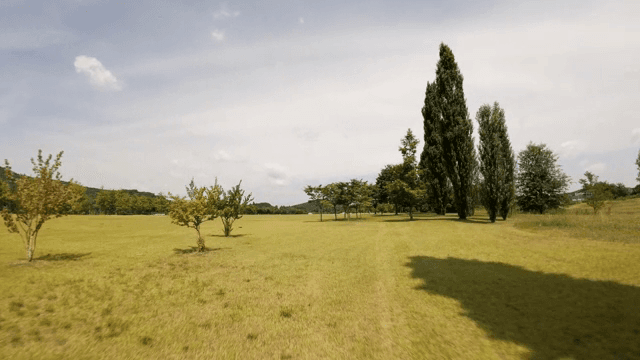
(290, 287)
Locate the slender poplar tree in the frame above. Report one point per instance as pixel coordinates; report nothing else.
(508, 190)
(432, 158)
(490, 160)
(455, 130)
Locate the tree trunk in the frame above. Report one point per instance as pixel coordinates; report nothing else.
(31, 247)
(200, 240)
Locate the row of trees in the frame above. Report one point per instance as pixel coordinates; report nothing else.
(204, 204)
(353, 195)
(120, 202)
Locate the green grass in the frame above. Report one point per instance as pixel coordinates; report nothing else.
(290, 287)
(618, 221)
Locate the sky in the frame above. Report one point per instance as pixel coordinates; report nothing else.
(282, 94)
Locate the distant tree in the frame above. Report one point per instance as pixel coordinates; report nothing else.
(346, 198)
(317, 195)
(35, 199)
(362, 195)
(201, 205)
(455, 130)
(597, 192)
(496, 161)
(540, 182)
(387, 175)
(331, 194)
(434, 172)
(407, 189)
(79, 202)
(106, 201)
(232, 206)
(123, 202)
(161, 204)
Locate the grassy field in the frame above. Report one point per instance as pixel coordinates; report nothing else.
(290, 287)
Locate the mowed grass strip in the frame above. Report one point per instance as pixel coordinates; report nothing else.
(290, 287)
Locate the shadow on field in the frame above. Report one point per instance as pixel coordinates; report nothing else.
(194, 250)
(555, 316)
(442, 218)
(230, 236)
(63, 257)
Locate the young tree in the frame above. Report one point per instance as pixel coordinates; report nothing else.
(387, 175)
(232, 207)
(434, 173)
(362, 193)
(598, 192)
(201, 205)
(407, 188)
(331, 193)
(540, 182)
(35, 199)
(316, 194)
(455, 130)
(496, 161)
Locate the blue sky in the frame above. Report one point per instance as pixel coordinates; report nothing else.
(281, 94)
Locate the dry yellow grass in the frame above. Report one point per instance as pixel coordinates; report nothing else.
(290, 287)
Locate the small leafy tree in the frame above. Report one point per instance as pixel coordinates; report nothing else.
(597, 192)
(540, 182)
(331, 193)
(201, 205)
(232, 207)
(35, 199)
(317, 195)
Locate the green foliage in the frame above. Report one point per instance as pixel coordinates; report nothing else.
(597, 192)
(406, 188)
(434, 172)
(540, 182)
(387, 176)
(37, 199)
(201, 205)
(496, 161)
(446, 108)
(232, 207)
(316, 195)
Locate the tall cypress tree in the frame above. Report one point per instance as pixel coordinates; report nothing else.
(455, 131)
(490, 160)
(508, 166)
(432, 157)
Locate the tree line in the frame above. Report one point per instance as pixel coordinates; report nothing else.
(451, 175)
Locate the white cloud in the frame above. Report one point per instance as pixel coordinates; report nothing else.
(98, 75)
(635, 136)
(277, 174)
(572, 148)
(224, 12)
(221, 155)
(597, 167)
(217, 35)
(301, 20)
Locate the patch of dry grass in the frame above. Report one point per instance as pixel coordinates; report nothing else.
(289, 287)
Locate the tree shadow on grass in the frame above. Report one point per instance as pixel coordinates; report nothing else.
(230, 236)
(555, 316)
(63, 257)
(194, 250)
(442, 218)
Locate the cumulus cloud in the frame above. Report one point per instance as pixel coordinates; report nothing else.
(635, 136)
(277, 174)
(98, 75)
(224, 13)
(217, 35)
